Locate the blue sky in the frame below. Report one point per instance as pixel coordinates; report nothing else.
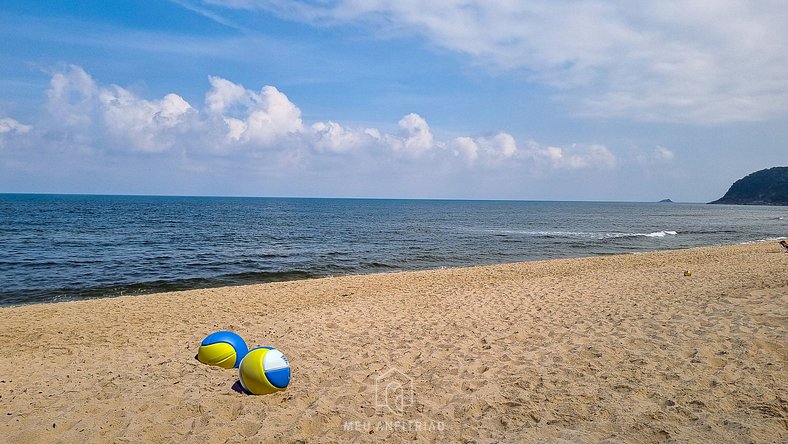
(566, 100)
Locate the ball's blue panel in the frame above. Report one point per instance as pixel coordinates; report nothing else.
(279, 378)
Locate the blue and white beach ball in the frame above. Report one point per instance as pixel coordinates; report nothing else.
(222, 348)
(264, 370)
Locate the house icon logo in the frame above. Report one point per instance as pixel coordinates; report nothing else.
(393, 391)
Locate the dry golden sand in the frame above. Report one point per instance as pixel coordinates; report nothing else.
(604, 349)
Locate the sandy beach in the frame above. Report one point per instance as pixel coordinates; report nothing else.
(613, 349)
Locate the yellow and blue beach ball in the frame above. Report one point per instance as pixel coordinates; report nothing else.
(222, 348)
(264, 370)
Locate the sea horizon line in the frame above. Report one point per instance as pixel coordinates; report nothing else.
(285, 197)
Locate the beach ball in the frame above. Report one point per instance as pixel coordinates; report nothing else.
(264, 370)
(223, 349)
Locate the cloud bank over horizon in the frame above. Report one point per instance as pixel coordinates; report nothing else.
(699, 61)
(233, 118)
(238, 127)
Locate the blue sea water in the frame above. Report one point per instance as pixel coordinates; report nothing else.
(64, 247)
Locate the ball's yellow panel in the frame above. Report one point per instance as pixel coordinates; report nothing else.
(220, 354)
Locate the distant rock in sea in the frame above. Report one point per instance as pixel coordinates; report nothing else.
(764, 187)
(666, 201)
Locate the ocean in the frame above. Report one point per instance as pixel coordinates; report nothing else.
(68, 247)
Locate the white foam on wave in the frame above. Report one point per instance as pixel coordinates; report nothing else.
(661, 233)
(584, 234)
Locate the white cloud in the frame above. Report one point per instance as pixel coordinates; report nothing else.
(142, 123)
(493, 149)
(334, 137)
(224, 94)
(9, 125)
(502, 145)
(659, 155)
(260, 118)
(465, 147)
(71, 96)
(416, 136)
(663, 154)
(574, 157)
(702, 61)
(82, 111)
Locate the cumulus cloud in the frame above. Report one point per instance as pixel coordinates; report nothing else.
(331, 136)
(674, 60)
(224, 94)
(142, 123)
(416, 138)
(494, 149)
(261, 118)
(71, 96)
(465, 147)
(573, 157)
(82, 111)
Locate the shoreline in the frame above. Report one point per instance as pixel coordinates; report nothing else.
(617, 347)
(66, 299)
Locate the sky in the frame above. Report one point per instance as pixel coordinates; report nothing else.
(605, 100)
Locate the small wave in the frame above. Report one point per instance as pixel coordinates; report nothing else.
(661, 234)
(551, 234)
(583, 234)
(626, 235)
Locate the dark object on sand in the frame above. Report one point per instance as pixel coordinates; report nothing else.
(784, 244)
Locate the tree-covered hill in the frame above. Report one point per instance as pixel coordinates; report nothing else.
(764, 187)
